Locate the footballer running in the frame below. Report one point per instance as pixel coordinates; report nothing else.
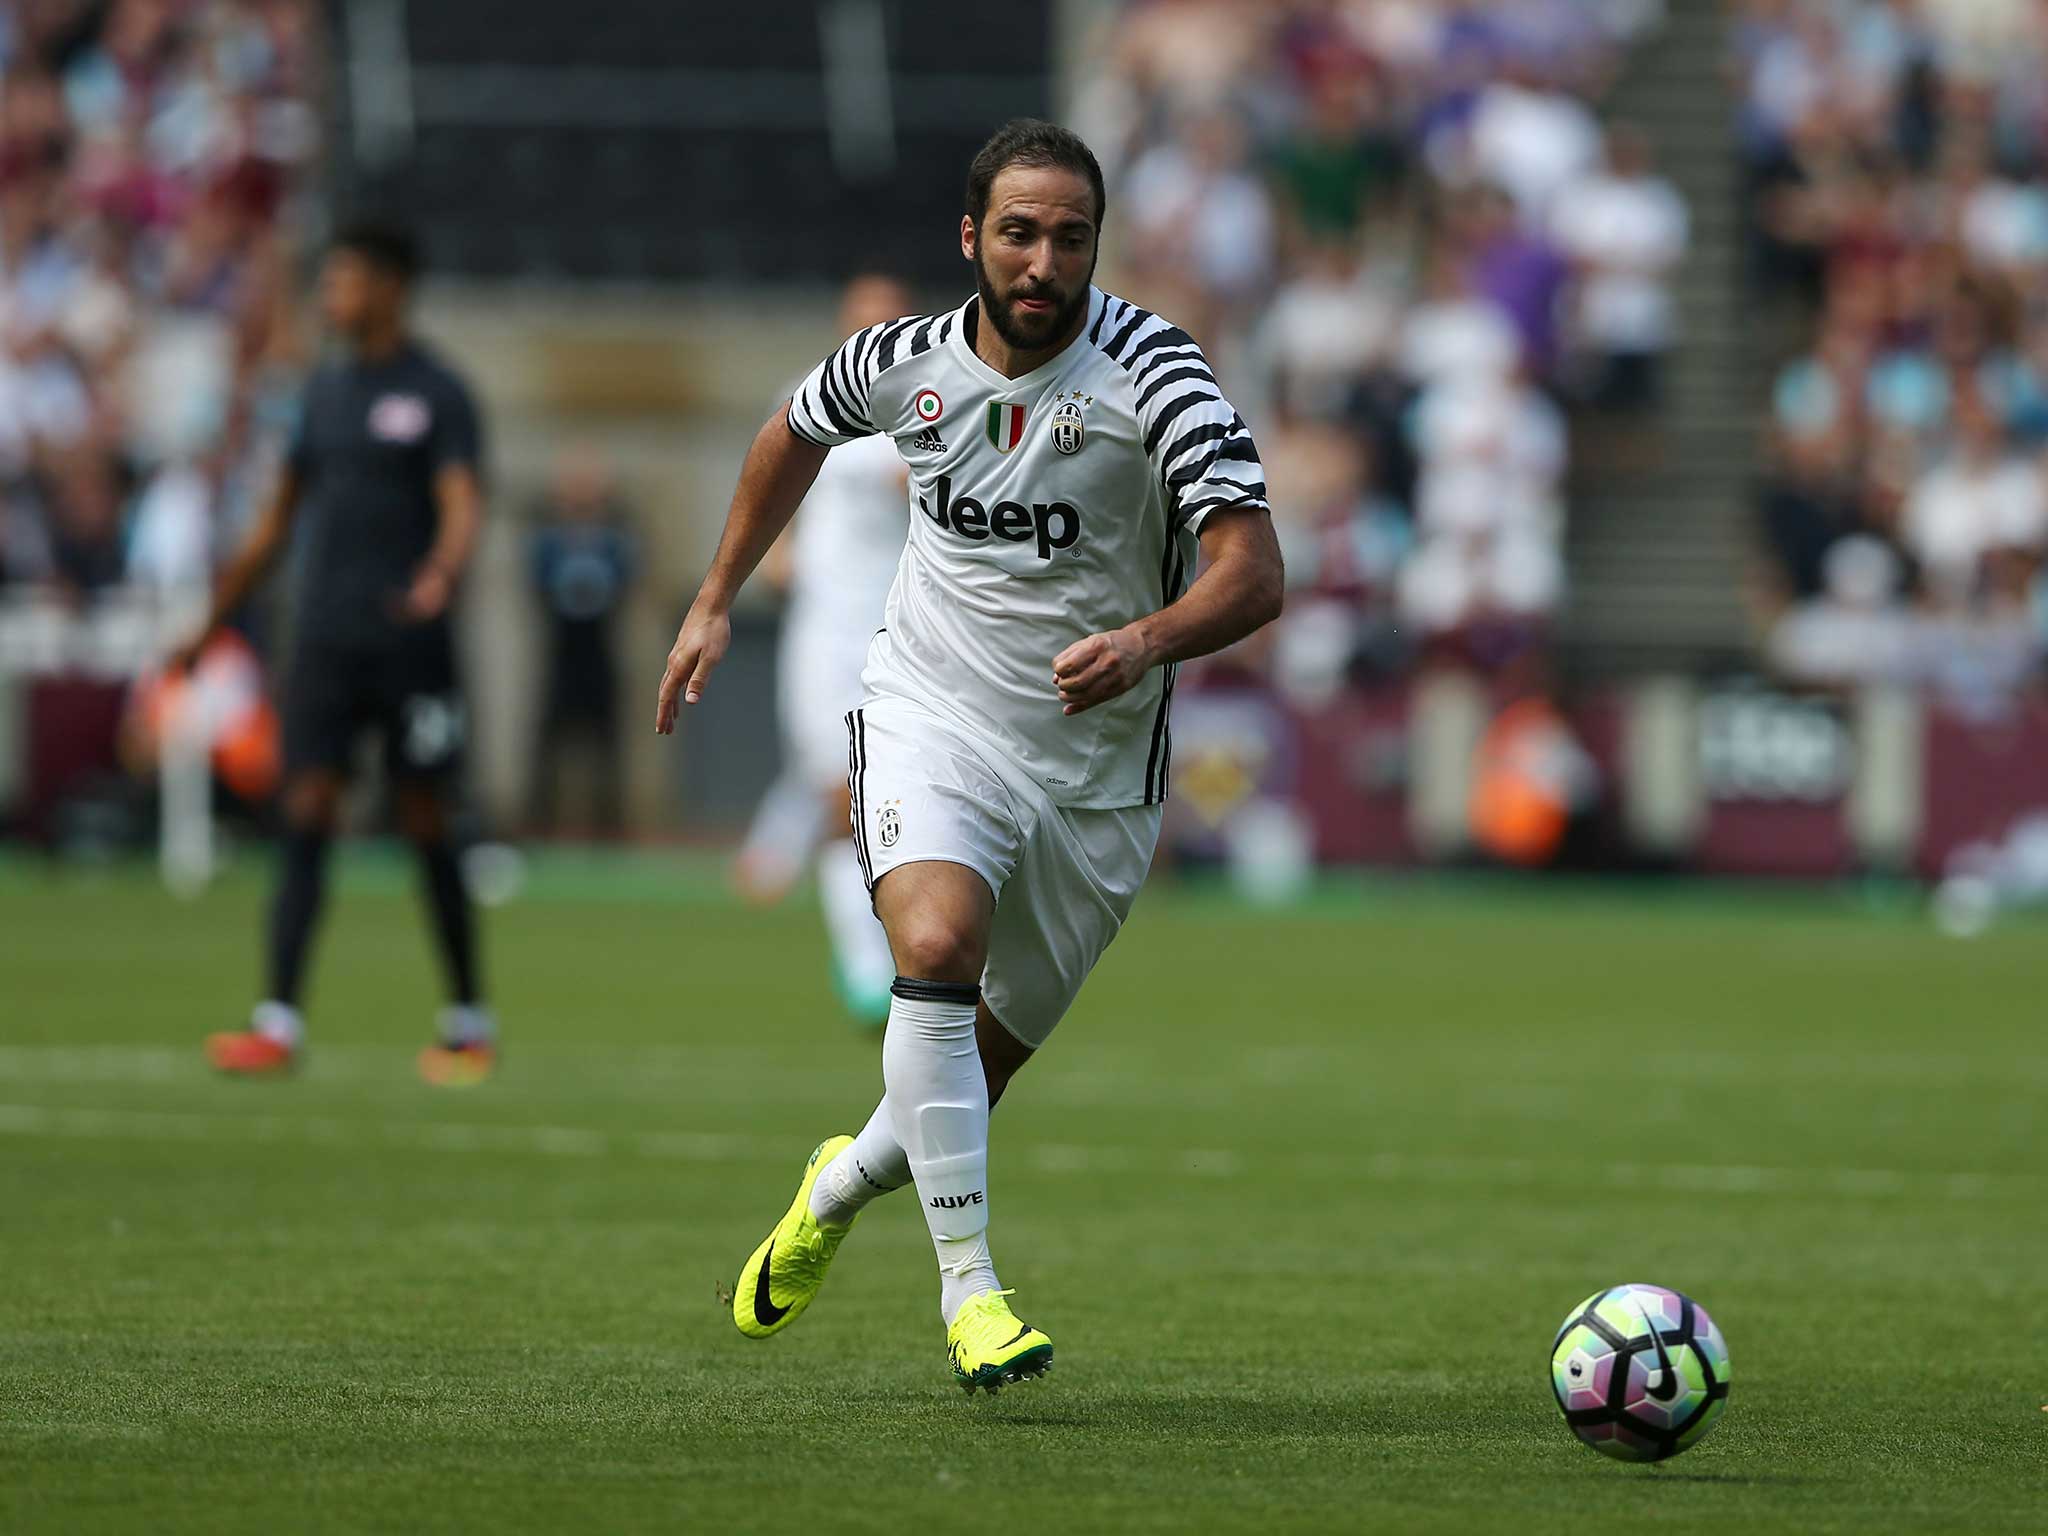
(1070, 460)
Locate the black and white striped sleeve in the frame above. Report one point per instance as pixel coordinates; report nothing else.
(1199, 446)
(832, 405)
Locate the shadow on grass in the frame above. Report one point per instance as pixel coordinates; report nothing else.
(1257, 1413)
(1662, 1473)
(1264, 1415)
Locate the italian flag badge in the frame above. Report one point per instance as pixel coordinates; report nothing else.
(1005, 425)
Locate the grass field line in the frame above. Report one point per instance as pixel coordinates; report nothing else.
(35, 1120)
(657, 1070)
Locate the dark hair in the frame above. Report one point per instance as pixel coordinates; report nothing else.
(1029, 141)
(388, 247)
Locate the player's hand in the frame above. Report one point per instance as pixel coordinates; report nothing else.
(427, 598)
(1098, 669)
(699, 648)
(182, 660)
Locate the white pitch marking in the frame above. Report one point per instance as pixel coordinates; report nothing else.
(1046, 1157)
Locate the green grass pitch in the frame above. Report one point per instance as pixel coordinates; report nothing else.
(1299, 1196)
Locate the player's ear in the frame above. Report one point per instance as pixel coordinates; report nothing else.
(966, 237)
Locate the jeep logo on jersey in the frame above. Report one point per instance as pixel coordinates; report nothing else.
(1054, 524)
(1005, 425)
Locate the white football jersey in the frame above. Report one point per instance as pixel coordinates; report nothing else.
(1043, 509)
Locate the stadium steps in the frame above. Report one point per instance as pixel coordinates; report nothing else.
(1658, 538)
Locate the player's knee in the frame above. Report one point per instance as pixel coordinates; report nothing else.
(422, 819)
(310, 806)
(933, 949)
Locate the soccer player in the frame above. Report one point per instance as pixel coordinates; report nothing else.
(1069, 454)
(382, 490)
(845, 546)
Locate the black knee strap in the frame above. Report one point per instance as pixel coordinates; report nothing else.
(911, 989)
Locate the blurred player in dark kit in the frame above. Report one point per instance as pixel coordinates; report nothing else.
(382, 497)
(583, 559)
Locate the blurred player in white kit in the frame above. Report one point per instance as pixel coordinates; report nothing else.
(838, 561)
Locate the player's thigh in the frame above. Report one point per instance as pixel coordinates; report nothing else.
(326, 698)
(422, 806)
(310, 799)
(838, 814)
(1076, 883)
(936, 914)
(933, 829)
(422, 713)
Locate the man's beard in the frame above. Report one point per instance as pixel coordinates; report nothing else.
(1028, 333)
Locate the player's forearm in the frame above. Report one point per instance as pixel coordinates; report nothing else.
(773, 481)
(1241, 591)
(237, 579)
(251, 563)
(459, 516)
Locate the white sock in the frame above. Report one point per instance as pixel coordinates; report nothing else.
(872, 1166)
(937, 1100)
(965, 1269)
(279, 1021)
(860, 945)
(467, 1024)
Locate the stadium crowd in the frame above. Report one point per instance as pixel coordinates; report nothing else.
(149, 150)
(1405, 228)
(1898, 212)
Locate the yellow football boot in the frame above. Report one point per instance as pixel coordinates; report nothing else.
(989, 1345)
(786, 1271)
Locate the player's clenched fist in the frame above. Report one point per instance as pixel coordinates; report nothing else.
(1098, 669)
(699, 647)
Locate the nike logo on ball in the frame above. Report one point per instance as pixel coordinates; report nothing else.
(1663, 1386)
(766, 1313)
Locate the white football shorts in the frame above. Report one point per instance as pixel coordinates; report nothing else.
(1064, 880)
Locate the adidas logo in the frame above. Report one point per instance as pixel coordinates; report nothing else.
(929, 441)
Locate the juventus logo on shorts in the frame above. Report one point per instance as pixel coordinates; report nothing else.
(891, 824)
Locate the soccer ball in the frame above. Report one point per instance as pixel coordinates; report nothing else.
(1640, 1372)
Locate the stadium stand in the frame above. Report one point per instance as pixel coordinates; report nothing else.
(148, 156)
(1402, 226)
(1898, 221)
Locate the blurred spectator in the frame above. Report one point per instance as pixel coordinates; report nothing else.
(1489, 510)
(1897, 151)
(1848, 629)
(1328, 327)
(1531, 138)
(1806, 505)
(1453, 330)
(147, 149)
(1978, 520)
(583, 565)
(1201, 222)
(1624, 229)
(1516, 269)
(1338, 162)
(1362, 206)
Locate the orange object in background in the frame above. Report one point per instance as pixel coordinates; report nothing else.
(1530, 777)
(226, 686)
